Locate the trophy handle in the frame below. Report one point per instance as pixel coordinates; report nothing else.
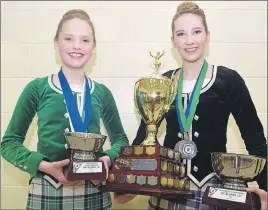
(172, 93)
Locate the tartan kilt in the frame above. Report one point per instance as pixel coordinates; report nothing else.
(84, 196)
(156, 203)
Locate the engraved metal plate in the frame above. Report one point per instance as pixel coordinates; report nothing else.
(143, 164)
(131, 179)
(187, 184)
(136, 164)
(163, 181)
(127, 150)
(164, 165)
(138, 150)
(170, 154)
(163, 151)
(170, 167)
(181, 183)
(170, 182)
(150, 150)
(121, 178)
(123, 164)
(87, 167)
(152, 180)
(177, 168)
(177, 156)
(182, 170)
(141, 180)
(227, 194)
(176, 183)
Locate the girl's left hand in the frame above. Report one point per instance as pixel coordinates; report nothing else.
(107, 163)
(262, 195)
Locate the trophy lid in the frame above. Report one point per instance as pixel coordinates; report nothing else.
(85, 141)
(240, 166)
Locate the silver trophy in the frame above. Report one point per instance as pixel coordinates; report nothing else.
(233, 171)
(84, 164)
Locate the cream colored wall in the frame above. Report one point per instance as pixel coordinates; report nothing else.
(126, 32)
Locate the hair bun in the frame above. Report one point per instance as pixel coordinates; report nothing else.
(76, 11)
(187, 5)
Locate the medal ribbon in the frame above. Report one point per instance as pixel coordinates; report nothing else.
(78, 124)
(185, 119)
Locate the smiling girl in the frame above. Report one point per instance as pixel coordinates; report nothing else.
(209, 94)
(49, 190)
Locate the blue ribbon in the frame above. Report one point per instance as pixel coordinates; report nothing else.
(78, 124)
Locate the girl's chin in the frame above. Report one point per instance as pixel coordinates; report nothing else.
(75, 65)
(192, 58)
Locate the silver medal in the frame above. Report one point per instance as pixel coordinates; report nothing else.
(187, 149)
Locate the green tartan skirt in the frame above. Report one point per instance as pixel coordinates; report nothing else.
(84, 196)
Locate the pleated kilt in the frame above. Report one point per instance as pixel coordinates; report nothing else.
(84, 196)
(156, 203)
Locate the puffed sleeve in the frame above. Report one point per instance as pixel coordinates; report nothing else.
(246, 117)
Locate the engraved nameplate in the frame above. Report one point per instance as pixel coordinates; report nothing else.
(227, 194)
(136, 164)
(87, 167)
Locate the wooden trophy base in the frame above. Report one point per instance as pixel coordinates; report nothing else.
(250, 201)
(168, 194)
(85, 170)
(150, 170)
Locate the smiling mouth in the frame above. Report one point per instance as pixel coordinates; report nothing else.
(76, 55)
(189, 50)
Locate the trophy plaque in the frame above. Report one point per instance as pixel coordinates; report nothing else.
(149, 168)
(84, 165)
(233, 171)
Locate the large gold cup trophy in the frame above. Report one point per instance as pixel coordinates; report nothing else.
(149, 168)
(153, 96)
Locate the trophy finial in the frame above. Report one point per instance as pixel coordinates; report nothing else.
(157, 63)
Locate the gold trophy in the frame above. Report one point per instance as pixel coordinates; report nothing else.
(153, 96)
(234, 170)
(149, 168)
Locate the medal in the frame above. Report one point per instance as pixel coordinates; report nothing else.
(186, 147)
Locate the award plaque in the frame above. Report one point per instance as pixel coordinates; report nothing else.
(149, 168)
(233, 171)
(84, 165)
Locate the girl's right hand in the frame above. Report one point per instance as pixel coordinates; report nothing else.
(55, 169)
